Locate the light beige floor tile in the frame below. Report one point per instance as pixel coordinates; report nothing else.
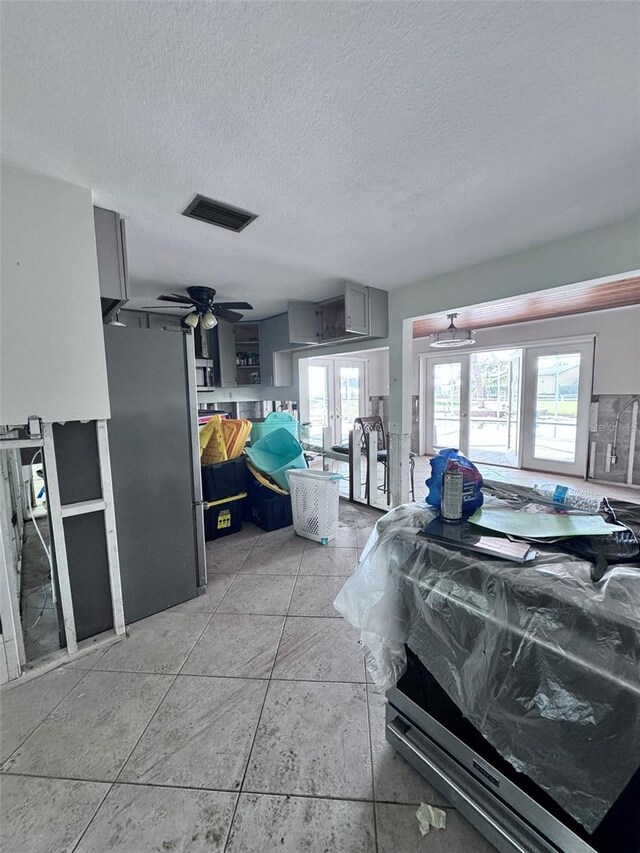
(268, 594)
(93, 730)
(282, 559)
(238, 645)
(312, 739)
(292, 824)
(140, 819)
(217, 585)
(329, 561)
(398, 831)
(319, 649)
(226, 558)
(200, 736)
(24, 706)
(314, 596)
(160, 643)
(46, 815)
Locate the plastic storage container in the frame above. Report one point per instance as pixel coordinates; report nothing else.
(315, 500)
(224, 479)
(275, 454)
(266, 509)
(273, 421)
(223, 517)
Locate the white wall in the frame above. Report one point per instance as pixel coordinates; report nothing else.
(617, 352)
(52, 360)
(592, 255)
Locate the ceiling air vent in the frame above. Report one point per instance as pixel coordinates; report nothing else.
(217, 213)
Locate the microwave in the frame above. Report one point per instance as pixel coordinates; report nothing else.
(204, 377)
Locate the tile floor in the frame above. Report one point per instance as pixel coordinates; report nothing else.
(241, 721)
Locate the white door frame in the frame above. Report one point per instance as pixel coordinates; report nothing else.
(426, 414)
(333, 364)
(585, 383)
(583, 344)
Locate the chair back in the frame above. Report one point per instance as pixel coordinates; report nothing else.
(369, 425)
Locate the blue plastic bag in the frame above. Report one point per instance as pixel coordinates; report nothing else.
(472, 497)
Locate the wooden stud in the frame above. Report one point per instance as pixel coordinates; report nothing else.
(110, 527)
(55, 510)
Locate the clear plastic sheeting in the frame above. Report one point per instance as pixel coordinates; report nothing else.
(542, 661)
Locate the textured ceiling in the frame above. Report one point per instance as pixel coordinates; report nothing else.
(380, 142)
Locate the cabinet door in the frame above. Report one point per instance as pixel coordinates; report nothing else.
(356, 308)
(226, 354)
(303, 322)
(378, 313)
(283, 368)
(267, 341)
(112, 268)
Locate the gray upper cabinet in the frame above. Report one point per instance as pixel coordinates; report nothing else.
(356, 309)
(225, 347)
(111, 251)
(276, 359)
(303, 322)
(357, 312)
(378, 313)
(267, 349)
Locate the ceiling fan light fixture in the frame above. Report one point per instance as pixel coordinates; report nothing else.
(209, 320)
(192, 320)
(452, 338)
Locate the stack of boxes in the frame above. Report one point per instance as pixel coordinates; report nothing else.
(224, 488)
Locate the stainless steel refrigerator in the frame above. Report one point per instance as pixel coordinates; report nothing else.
(155, 465)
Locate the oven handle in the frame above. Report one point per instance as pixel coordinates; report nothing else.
(395, 730)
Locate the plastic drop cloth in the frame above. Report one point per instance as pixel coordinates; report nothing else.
(543, 662)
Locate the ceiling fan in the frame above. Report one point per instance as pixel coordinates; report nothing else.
(203, 308)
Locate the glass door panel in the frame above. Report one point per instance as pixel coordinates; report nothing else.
(558, 389)
(494, 406)
(320, 414)
(447, 409)
(350, 398)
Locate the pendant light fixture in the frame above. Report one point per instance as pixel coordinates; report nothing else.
(209, 320)
(192, 320)
(452, 338)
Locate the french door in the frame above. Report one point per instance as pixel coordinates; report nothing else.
(336, 397)
(557, 388)
(522, 407)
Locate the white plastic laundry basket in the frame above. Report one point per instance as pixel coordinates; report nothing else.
(315, 498)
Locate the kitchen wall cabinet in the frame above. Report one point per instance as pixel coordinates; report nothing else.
(111, 249)
(276, 359)
(358, 312)
(236, 354)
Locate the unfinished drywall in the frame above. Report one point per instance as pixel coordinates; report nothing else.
(615, 418)
(616, 368)
(52, 361)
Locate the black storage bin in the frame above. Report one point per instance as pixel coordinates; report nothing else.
(224, 479)
(223, 517)
(267, 509)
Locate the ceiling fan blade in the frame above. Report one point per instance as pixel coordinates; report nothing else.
(181, 299)
(224, 314)
(163, 308)
(243, 306)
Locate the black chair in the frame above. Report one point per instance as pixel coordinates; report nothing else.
(374, 424)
